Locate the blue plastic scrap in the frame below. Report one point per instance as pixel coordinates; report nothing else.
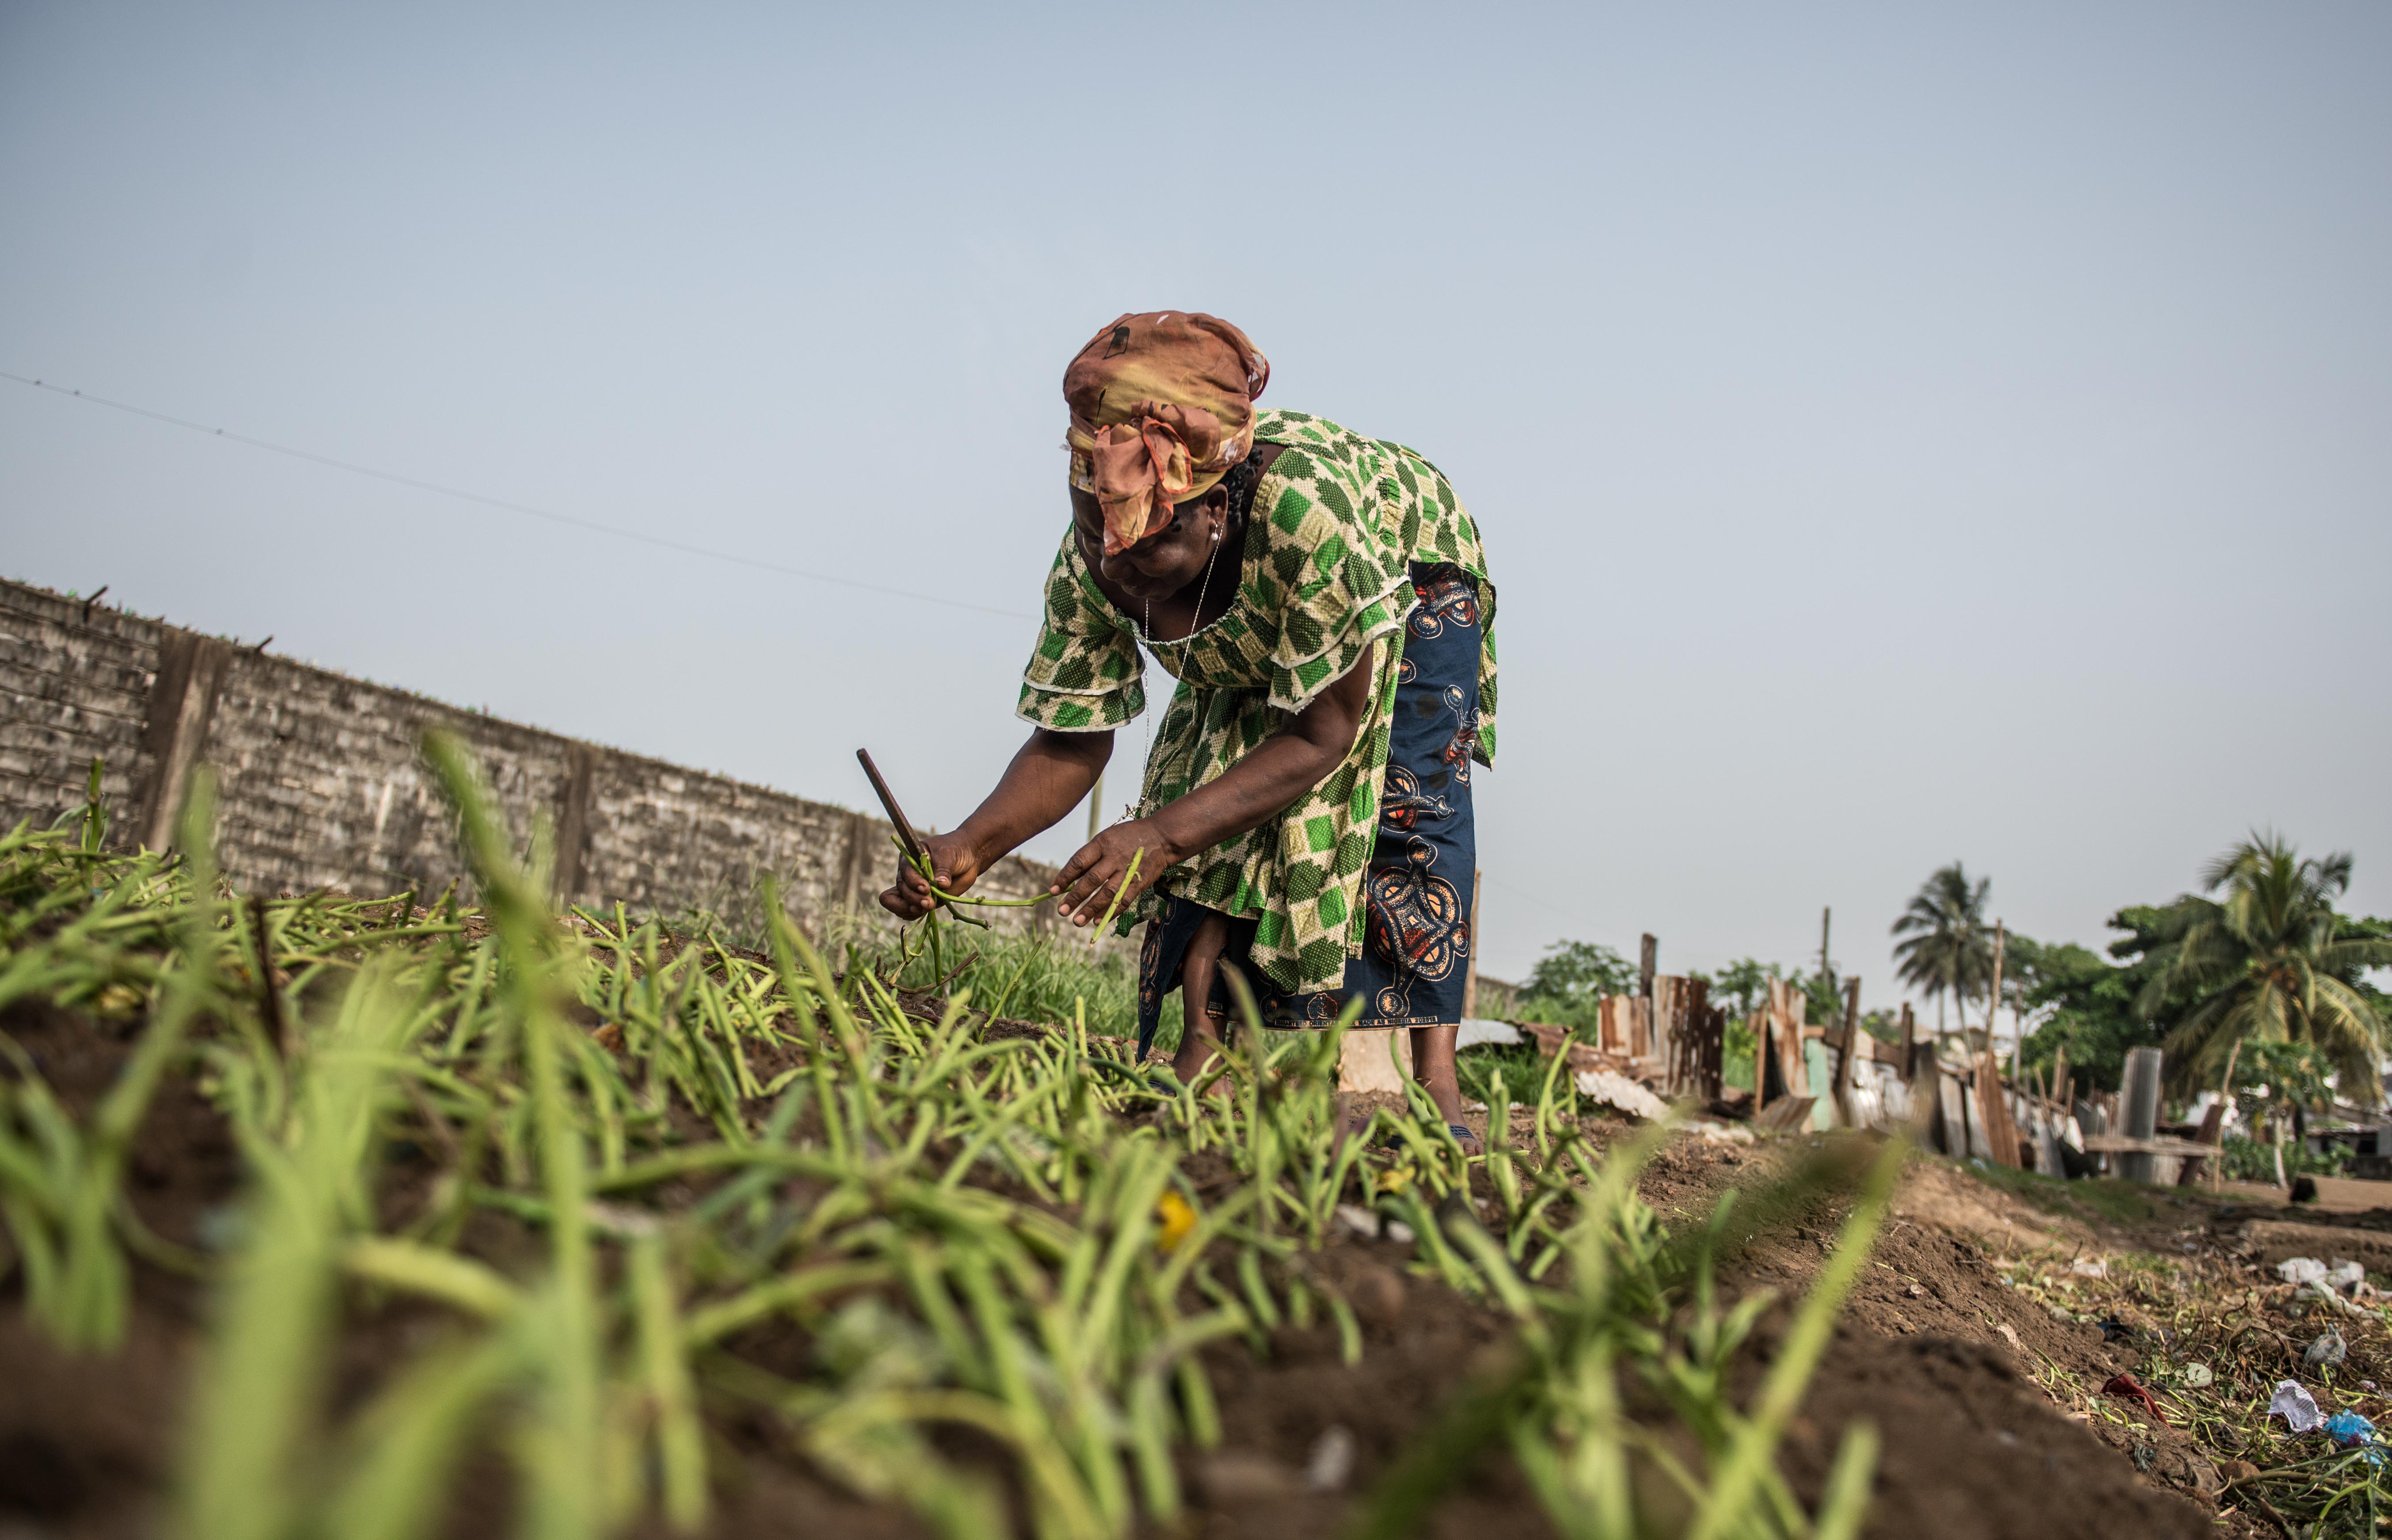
(2349, 1430)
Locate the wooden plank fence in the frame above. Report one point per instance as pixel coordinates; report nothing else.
(1949, 1091)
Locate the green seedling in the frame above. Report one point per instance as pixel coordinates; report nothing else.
(667, 1157)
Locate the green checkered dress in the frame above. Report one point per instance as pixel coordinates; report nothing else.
(1337, 519)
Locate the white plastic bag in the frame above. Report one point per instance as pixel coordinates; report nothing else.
(2300, 1270)
(1615, 1090)
(2296, 1406)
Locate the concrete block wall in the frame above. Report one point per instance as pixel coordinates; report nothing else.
(322, 784)
(75, 687)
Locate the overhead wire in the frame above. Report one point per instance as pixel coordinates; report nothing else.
(1543, 902)
(568, 520)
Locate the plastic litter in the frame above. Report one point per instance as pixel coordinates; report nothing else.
(1479, 1033)
(1615, 1090)
(2296, 1406)
(2090, 1267)
(1332, 1463)
(2349, 1430)
(2197, 1375)
(2327, 1351)
(1362, 1221)
(2300, 1270)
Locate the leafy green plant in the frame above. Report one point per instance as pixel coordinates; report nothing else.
(1568, 982)
(2267, 961)
(2254, 1159)
(1946, 947)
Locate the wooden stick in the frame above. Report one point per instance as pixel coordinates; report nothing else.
(1994, 1009)
(277, 1021)
(889, 804)
(1759, 1022)
(906, 836)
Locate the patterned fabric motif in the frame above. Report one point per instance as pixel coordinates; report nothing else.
(1415, 959)
(1323, 581)
(1413, 968)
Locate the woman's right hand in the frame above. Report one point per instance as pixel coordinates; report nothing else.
(953, 862)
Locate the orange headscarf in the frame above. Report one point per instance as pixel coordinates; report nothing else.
(1162, 404)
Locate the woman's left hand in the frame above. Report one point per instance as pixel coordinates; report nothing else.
(1089, 878)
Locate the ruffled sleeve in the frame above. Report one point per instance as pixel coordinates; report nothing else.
(1328, 572)
(1084, 675)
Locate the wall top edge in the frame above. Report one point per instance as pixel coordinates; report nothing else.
(38, 599)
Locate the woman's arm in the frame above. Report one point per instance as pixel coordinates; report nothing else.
(1246, 796)
(1049, 777)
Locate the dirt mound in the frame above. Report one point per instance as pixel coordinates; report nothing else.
(2271, 1241)
(1954, 1367)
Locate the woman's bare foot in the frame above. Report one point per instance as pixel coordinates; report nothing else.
(1199, 1032)
(1196, 1060)
(1433, 1065)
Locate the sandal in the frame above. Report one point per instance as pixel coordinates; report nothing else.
(1464, 1137)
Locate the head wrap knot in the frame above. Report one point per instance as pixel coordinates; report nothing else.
(1162, 404)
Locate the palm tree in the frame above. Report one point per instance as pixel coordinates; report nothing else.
(2269, 961)
(1948, 950)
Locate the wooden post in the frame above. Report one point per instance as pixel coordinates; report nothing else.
(1825, 970)
(182, 703)
(1759, 1022)
(857, 860)
(572, 823)
(1470, 972)
(1712, 1045)
(1785, 1013)
(1678, 1012)
(1994, 1007)
(1993, 1112)
(1845, 1077)
(1909, 1037)
(1993, 1107)
(1647, 966)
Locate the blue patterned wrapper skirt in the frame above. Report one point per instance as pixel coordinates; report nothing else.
(1416, 891)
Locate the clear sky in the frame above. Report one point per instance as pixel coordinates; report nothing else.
(1901, 432)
